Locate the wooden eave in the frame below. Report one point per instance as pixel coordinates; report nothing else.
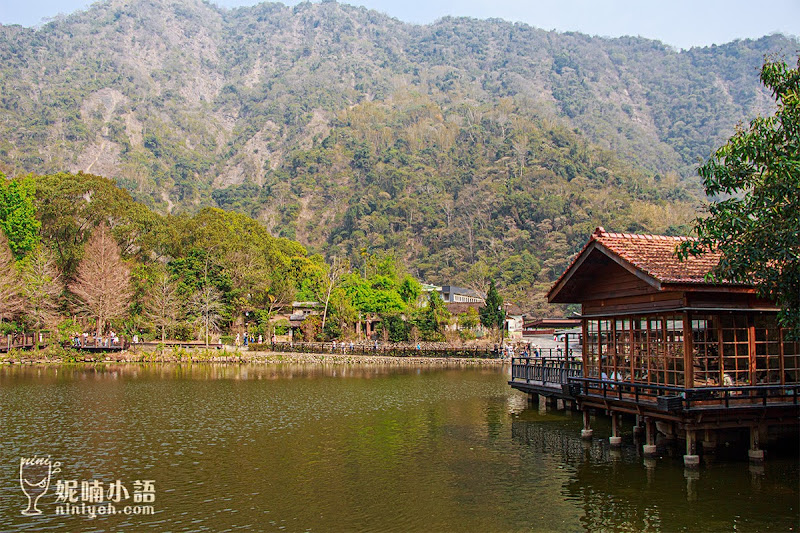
(729, 288)
(570, 275)
(559, 293)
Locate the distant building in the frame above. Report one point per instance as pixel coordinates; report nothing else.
(514, 323)
(456, 299)
(543, 326)
(452, 294)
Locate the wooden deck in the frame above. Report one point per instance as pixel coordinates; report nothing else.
(545, 376)
(699, 407)
(730, 406)
(27, 341)
(20, 341)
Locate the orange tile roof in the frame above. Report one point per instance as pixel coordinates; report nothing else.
(655, 256)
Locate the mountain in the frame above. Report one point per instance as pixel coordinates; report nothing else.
(472, 149)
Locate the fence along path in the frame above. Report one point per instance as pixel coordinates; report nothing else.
(420, 350)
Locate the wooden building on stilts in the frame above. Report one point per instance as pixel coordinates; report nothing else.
(686, 356)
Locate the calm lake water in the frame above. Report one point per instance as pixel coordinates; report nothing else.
(349, 448)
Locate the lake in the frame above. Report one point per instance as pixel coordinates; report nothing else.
(292, 447)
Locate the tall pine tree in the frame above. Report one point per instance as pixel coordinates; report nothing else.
(492, 313)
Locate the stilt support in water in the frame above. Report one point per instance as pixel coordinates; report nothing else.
(586, 432)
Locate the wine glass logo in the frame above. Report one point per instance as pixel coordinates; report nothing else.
(34, 478)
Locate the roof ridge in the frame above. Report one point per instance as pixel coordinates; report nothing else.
(600, 232)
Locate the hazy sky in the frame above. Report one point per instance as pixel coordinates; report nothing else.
(680, 23)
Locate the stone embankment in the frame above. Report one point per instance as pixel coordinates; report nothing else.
(223, 356)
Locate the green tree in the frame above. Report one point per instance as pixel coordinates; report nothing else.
(409, 290)
(18, 215)
(755, 221)
(468, 319)
(492, 313)
(433, 318)
(71, 206)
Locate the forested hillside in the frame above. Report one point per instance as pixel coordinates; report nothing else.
(472, 149)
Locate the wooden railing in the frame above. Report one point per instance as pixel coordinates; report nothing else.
(545, 370)
(387, 350)
(671, 398)
(98, 343)
(22, 341)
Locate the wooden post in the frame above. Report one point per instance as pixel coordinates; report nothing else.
(691, 459)
(586, 432)
(615, 439)
(638, 427)
(688, 352)
(709, 441)
(751, 347)
(755, 453)
(649, 436)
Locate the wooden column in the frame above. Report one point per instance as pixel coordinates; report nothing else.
(688, 351)
(755, 453)
(751, 346)
(649, 436)
(586, 432)
(691, 459)
(782, 363)
(615, 439)
(709, 441)
(638, 427)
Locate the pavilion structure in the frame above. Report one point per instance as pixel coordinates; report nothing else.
(688, 356)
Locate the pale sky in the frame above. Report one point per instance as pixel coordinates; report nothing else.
(680, 23)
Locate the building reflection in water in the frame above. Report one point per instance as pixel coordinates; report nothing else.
(621, 490)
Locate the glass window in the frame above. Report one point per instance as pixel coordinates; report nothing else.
(768, 349)
(639, 350)
(735, 350)
(705, 345)
(606, 346)
(673, 351)
(791, 359)
(592, 351)
(621, 362)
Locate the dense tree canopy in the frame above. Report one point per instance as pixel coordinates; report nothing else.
(190, 276)
(755, 219)
(18, 215)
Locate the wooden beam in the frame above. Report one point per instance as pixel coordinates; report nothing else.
(688, 351)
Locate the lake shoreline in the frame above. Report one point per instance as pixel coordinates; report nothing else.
(241, 357)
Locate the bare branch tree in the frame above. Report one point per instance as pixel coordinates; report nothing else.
(10, 299)
(334, 273)
(207, 306)
(162, 304)
(102, 283)
(41, 287)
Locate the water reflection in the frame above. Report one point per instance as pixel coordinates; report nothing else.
(620, 490)
(217, 371)
(351, 447)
